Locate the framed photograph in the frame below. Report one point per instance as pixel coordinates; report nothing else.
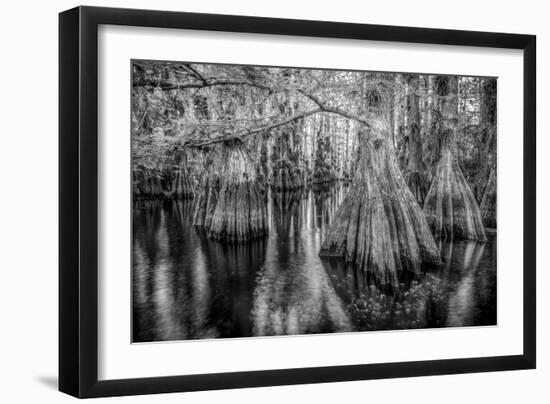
(251, 201)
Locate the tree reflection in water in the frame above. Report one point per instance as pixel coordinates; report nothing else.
(458, 293)
(189, 286)
(293, 294)
(186, 286)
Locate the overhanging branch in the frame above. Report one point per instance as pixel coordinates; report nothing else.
(254, 131)
(321, 106)
(170, 85)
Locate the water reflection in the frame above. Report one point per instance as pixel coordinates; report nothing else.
(461, 292)
(186, 286)
(293, 294)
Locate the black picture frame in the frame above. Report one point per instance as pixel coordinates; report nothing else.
(78, 201)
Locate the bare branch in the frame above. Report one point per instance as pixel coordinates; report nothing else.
(168, 85)
(263, 129)
(196, 73)
(334, 110)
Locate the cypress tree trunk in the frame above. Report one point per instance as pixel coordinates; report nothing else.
(207, 197)
(147, 184)
(137, 183)
(415, 177)
(450, 207)
(287, 175)
(153, 184)
(263, 159)
(380, 225)
(230, 205)
(488, 205)
(398, 112)
(489, 122)
(178, 184)
(431, 145)
(323, 171)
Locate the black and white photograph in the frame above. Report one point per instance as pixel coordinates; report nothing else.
(281, 200)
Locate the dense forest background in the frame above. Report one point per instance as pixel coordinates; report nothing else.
(418, 150)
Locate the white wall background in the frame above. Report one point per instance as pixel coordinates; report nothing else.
(28, 202)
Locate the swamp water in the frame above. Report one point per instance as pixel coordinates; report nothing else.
(186, 286)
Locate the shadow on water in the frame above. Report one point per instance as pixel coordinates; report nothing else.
(186, 286)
